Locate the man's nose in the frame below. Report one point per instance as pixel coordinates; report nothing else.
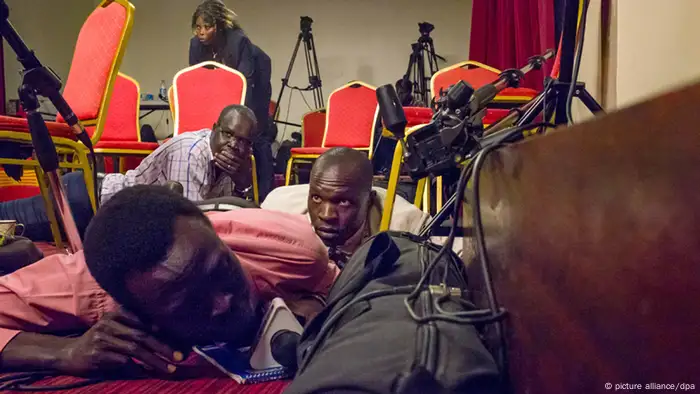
(328, 212)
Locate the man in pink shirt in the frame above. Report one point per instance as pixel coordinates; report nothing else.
(156, 277)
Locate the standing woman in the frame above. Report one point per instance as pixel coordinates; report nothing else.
(218, 37)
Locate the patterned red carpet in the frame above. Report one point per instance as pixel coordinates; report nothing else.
(193, 386)
(195, 377)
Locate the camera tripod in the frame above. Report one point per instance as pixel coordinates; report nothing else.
(423, 51)
(315, 84)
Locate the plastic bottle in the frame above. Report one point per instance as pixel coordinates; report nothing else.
(163, 93)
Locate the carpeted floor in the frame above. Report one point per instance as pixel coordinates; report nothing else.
(192, 386)
(196, 376)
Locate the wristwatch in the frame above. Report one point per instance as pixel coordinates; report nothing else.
(242, 192)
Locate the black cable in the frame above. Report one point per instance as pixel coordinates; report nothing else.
(329, 324)
(577, 63)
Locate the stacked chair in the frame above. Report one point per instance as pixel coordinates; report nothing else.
(96, 61)
(121, 137)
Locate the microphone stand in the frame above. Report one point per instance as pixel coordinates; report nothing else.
(38, 80)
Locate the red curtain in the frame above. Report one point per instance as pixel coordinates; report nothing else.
(505, 33)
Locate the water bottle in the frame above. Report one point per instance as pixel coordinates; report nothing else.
(163, 93)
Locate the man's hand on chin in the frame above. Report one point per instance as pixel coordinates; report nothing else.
(117, 344)
(231, 163)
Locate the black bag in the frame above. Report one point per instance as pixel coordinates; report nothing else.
(366, 341)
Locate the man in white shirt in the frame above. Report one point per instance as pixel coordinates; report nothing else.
(341, 203)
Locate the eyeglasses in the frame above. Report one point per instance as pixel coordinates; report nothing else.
(236, 142)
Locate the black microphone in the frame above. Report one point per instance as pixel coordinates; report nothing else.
(283, 347)
(391, 110)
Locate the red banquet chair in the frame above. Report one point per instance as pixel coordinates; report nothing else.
(96, 60)
(200, 93)
(121, 137)
(477, 75)
(351, 115)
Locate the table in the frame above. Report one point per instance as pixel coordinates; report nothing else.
(152, 106)
(196, 377)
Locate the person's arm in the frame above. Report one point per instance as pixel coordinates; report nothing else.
(109, 346)
(194, 50)
(243, 60)
(58, 295)
(280, 251)
(187, 163)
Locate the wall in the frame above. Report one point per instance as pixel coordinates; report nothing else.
(360, 39)
(656, 47)
(50, 37)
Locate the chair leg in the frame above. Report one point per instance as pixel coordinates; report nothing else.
(256, 195)
(87, 174)
(288, 174)
(48, 205)
(438, 194)
(390, 199)
(420, 187)
(426, 196)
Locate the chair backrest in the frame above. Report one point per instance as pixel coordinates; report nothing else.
(171, 101)
(474, 73)
(122, 122)
(477, 75)
(313, 125)
(201, 91)
(351, 115)
(96, 60)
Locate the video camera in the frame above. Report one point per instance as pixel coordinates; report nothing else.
(305, 24)
(456, 131)
(425, 28)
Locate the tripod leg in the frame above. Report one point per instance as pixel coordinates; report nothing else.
(285, 80)
(568, 46)
(313, 80)
(588, 100)
(317, 73)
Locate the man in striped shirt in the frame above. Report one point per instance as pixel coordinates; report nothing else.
(207, 163)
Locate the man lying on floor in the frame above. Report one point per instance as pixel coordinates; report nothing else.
(156, 277)
(341, 203)
(207, 163)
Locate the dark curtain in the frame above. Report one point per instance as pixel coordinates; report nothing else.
(2, 78)
(505, 33)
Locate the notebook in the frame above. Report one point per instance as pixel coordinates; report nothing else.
(235, 363)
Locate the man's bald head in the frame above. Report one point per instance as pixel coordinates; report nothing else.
(340, 192)
(348, 164)
(236, 129)
(236, 113)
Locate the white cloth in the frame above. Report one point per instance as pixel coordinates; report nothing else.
(293, 199)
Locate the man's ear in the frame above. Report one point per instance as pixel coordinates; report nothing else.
(372, 198)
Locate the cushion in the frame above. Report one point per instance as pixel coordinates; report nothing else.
(128, 145)
(309, 151)
(10, 123)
